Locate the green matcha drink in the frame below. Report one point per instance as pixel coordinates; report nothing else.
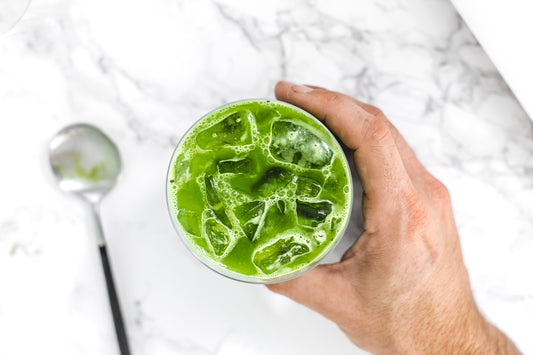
(259, 190)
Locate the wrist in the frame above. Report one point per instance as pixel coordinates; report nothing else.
(462, 330)
(471, 334)
(496, 342)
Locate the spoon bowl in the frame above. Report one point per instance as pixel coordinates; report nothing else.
(85, 161)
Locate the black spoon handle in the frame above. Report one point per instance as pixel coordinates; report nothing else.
(115, 307)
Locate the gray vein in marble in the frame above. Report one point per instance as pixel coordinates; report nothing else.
(243, 27)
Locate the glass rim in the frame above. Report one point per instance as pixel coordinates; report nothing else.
(216, 267)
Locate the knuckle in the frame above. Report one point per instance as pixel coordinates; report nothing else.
(378, 130)
(332, 99)
(439, 191)
(377, 112)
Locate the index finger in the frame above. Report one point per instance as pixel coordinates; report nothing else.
(376, 155)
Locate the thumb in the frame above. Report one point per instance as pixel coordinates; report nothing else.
(319, 289)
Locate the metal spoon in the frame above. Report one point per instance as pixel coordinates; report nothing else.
(87, 163)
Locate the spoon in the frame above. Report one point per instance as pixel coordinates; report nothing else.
(87, 163)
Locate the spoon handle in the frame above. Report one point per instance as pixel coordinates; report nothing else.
(115, 307)
(120, 330)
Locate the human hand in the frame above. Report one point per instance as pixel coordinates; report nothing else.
(403, 286)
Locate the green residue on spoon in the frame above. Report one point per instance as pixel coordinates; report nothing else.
(95, 173)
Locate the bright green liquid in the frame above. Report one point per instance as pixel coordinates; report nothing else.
(260, 189)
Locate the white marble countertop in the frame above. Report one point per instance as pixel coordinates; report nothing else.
(504, 30)
(144, 71)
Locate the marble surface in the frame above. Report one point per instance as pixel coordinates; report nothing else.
(144, 71)
(504, 29)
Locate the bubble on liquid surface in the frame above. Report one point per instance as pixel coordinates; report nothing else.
(320, 236)
(297, 145)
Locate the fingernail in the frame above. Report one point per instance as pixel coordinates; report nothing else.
(301, 89)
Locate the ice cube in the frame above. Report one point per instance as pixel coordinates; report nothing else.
(307, 186)
(190, 221)
(278, 217)
(217, 234)
(295, 144)
(280, 204)
(320, 236)
(181, 169)
(274, 179)
(249, 215)
(264, 118)
(335, 223)
(312, 213)
(282, 252)
(234, 130)
(214, 200)
(241, 166)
